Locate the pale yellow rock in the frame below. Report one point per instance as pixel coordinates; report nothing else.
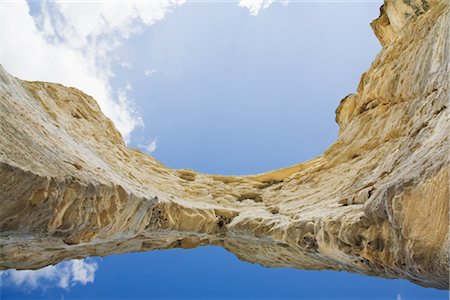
(376, 202)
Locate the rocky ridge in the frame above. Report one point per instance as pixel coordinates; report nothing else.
(376, 202)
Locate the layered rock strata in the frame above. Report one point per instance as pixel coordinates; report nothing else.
(376, 202)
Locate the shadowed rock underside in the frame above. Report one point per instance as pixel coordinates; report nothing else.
(376, 202)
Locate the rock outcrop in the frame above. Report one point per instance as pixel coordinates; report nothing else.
(376, 202)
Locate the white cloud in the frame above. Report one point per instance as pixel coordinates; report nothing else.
(399, 297)
(150, 72)
(63, 275)
(126, 65)
(83, 272)
(255, 6)
(71, 43)
(151, 146)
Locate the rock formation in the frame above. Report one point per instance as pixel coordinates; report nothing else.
(376, 202)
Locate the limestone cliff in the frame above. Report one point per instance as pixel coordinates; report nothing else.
(375, 202)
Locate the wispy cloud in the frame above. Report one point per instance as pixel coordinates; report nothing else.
(72, 43)
(63, 275)
(255, 6)
(125, 65)
(150, 146)
(150, 72)
(399, 297)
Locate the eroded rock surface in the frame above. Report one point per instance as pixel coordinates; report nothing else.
(375, 202)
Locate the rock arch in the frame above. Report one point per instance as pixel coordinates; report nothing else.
(375, 202)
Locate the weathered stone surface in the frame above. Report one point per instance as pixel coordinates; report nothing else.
(376, 202)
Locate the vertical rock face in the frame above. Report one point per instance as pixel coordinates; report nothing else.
(375, 202)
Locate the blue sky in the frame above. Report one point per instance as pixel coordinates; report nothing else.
(215, 87)
(237, 94)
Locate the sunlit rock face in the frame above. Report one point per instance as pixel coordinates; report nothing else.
(375, 202)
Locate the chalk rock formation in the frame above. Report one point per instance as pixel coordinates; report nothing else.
(376, 202)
